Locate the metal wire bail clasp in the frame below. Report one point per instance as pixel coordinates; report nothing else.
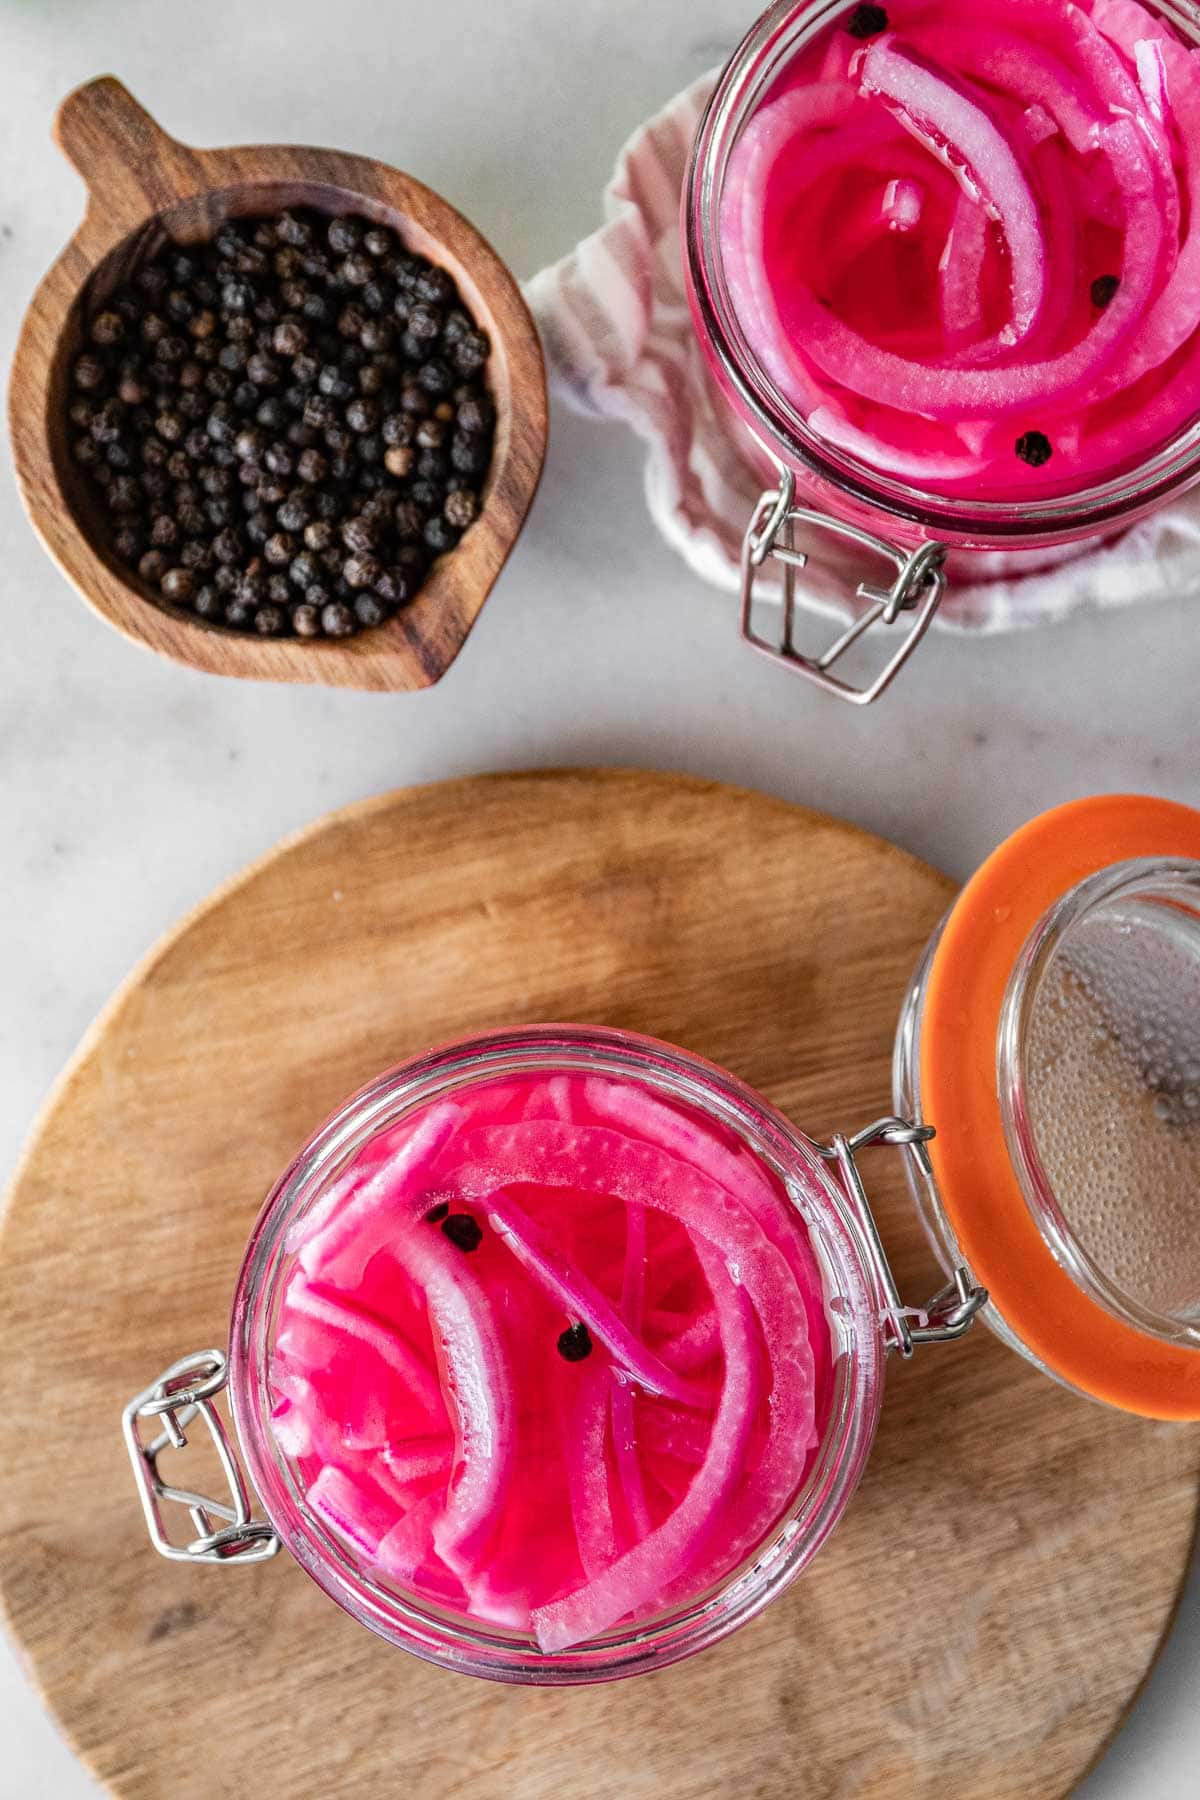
(182, 1393)
(917, 588)
(953, 1307)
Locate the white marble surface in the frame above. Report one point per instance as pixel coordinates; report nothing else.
(129, 787)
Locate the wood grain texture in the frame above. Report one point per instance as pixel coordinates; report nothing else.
(979, 1623)
(143, 188)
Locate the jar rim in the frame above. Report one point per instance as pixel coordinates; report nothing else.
(793, 1540)
(779, 427)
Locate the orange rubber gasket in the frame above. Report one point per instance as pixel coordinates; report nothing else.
(1071, 1334)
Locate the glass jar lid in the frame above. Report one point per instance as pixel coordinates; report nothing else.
(1060, 1057)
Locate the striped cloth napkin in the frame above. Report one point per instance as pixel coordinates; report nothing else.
(621, 346)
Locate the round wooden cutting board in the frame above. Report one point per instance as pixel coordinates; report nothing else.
(977, 1627)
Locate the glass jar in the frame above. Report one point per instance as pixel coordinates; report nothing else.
(860, 1304)
(1053, 1029)
(818, 493)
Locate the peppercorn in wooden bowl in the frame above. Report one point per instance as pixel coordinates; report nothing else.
(146, 192)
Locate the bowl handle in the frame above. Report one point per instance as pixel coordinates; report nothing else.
(131, 166)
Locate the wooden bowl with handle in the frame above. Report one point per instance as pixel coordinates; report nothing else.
(144, 189)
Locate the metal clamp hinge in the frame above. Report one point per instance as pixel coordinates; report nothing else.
(184, 1392)
(917, 588)
(951, 1310)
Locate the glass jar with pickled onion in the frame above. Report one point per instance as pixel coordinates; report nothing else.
(554, 1356)
(947, 272)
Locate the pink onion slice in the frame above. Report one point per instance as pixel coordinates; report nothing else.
(633, 1290)
(638, 1579)
(960, 273)
(588, 1479)
(581, 1298)
(418, 1458)
(959, 131)
(1019, 66)
(404, 1549)
(478, 1393)
(317, 1302)
(679, 1435)
(903, 200)
(353, 1507)
(339, 1243)
(690, 1346)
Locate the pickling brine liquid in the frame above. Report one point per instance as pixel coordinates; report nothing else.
(965, 247)
(553, 1355)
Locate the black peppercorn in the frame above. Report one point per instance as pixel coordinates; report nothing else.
(1034, 448)
(337, 619)
(369, 609)
(207, 601)
(289, 337)
(398, 429)
(362, 415)
(410, 521)
(280, 548)
(575, 1343)
(394, 587)
(269, 620)
(294, 514)
(312, 466)
(440, 535)
(867, 21)
(359, 535)
(279, 459)
(343, 236)
(318, 535)
(304, 569)
(164, 532)
(435, 376)
(152, 567)
(128, 543)
(399, 461)
(469, 453)
(464, 1232)
(331, 381)
(239, 613)
(124, 495)
(470, 353)
(306, 621)
(262, 369)
(177, 585)
(424, 322)
(433, 465)
(89, 372)
(107, 328)
(461, 508)
(362, 570)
